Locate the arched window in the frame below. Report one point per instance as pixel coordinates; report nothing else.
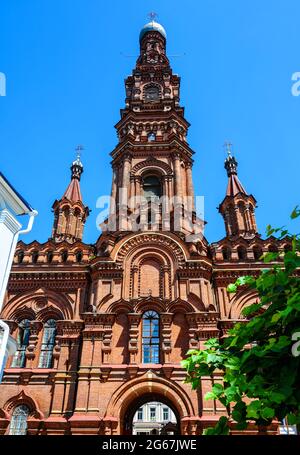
(252, 217)
(48, 342)
(18, 424)
(79, 256)
(151, 93)
(151, 137)
(241, 207)
(226, 252)
(20, 257)
(19, 358)
(242, 253)
(150, 337)
(64, 256)
(35, 256)
(257, 252)
(49, 257)
(232, 220)
(151, 187)
(65, 220)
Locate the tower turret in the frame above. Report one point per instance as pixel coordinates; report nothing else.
(70, 213)
(238, 207)
(152, 158)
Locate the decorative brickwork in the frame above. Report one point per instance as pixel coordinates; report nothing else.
(98, 344)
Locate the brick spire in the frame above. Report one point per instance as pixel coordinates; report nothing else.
(73, 192)
(234, 186)
(238, 207)
(69, 212)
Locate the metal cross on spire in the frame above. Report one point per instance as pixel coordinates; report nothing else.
(152, 15)
(228, 146)
(78, 150)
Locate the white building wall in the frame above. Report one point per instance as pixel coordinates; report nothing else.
(148, 423)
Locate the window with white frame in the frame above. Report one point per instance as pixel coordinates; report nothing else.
(152, 413)
(165, 413)
(150, 337)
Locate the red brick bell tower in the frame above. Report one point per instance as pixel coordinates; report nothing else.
(152, 158)
(102, 328)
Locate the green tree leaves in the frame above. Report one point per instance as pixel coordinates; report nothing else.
(261, 376)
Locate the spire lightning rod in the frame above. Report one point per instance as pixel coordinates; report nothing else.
(228, 146)
(152, 15)
(78, 150)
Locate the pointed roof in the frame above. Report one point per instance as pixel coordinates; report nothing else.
(73, 192)
(234, 186)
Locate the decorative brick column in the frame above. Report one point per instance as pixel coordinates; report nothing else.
(166, 221)
(68, 337)
(135, 282)
(132, 187)
(134, 321)
(166, 281)
(35, 328)
(166, 329)
(97, 336)
(106, 321)
(190, 188)
(137, 184)
(202, 326)
(178, 185)
(126, 172)
(113, 190)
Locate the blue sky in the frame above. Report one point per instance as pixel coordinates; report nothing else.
(65, 62)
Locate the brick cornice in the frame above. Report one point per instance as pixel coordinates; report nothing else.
(225, 277)
(69, 329)
(98, 325)
(195, 269)
(142, 149)
(63, 280)
(100, 319)
(106, 269)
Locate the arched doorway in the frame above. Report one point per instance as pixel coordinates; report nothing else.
(151, 414)
(146, 388)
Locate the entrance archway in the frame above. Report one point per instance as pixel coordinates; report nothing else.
(151, 414)
(143, 389)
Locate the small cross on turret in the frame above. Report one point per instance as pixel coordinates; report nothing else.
(152, 15)
(230, 162)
